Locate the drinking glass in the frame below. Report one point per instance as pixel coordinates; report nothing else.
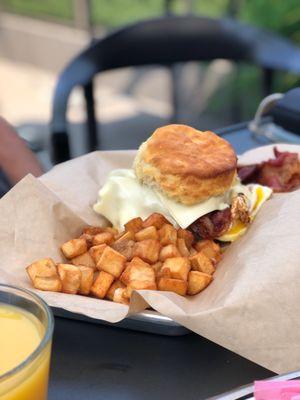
(29, 379)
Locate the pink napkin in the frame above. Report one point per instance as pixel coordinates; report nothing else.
(282, 390)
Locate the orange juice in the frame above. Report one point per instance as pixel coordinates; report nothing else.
(20, 335)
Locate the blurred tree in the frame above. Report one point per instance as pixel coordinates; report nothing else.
(279, 16)
(119, 12)
(61, 10)
(282, 16)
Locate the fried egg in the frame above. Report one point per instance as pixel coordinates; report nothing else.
(258, 196)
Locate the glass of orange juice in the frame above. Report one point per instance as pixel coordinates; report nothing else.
(26, 328)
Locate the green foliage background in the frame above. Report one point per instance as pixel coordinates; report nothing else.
(282, 16)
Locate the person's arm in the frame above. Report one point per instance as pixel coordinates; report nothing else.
(16, 159)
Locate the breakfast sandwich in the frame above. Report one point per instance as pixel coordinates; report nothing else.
(191, 178)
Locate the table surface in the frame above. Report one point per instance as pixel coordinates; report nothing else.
(94, 362)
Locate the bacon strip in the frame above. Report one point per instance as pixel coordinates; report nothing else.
(281, 173)
(212, 225)
(248, 173)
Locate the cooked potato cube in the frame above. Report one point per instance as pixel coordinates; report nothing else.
(70, 277)
(201, 244)
(96, 252)
(138, 261)
(124, 247)
(164, 273)
(197, 281)
(183, 250)
(74, 248)
(168, 251)
(87, 279)
(103, 238)
(167, 234)
(84, 259)
(139, 285)
(125, 276)
(44, 276)
(50, 284)
(146, 233)
(113, 231)
(44, 268)
(210, 249)
(127, 235)
(187, 236)
(157, 266)
(137, 270)
(172, 285)
(193, 251)
(112, 262)
(120, 296)
(155, 219)
(102, 284)
(92, 230)
(200, 262)
(179, 267)
(134, 225)
(88, 238)
(144, 274)
(116, 285)
(147, 250)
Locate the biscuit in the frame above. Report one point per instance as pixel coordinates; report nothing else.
(185, 164)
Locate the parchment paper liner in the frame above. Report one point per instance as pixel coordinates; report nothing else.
(253, 305)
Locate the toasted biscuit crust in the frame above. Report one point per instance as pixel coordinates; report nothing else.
(185, 164)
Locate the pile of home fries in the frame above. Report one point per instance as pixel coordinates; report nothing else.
(150, 254)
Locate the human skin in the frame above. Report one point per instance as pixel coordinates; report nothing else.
(16, 159)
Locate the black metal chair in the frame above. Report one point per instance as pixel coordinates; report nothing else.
(165, 41)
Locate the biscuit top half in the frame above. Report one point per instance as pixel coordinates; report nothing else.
(185, 164)
(183, 150)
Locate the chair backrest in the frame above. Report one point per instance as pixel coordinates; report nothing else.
(162, 41)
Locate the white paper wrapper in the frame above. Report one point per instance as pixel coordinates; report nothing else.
(253, 305)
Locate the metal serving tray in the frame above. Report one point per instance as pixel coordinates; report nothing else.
(146, 321)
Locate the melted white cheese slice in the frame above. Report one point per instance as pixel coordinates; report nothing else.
(123, 198)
